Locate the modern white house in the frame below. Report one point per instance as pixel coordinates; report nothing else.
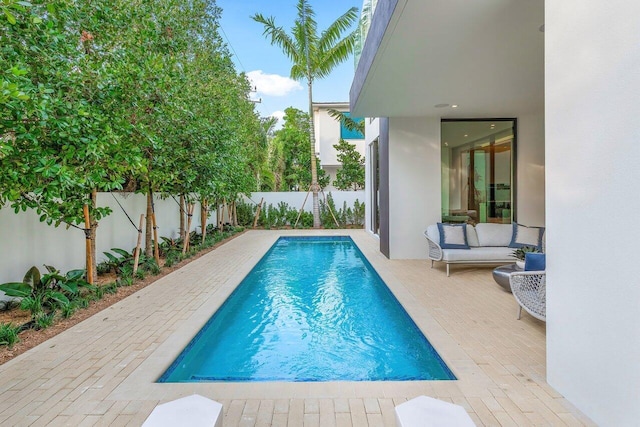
(519, 111)
(328, 132)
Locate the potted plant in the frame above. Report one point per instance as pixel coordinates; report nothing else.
(520, 253)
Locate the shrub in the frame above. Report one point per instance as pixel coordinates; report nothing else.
(44, 320)
(67, 310)
(9, 334)
(358, 213)
(43, 294)
(245, 212)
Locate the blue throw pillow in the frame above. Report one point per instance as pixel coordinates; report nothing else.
(453, 236)
(526, 236)
(534, 262)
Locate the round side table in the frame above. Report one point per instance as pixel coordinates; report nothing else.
(501, 275)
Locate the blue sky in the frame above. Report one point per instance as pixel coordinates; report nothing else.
(267, 66)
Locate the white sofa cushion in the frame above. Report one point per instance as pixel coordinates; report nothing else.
(523, 235)
(483, 253)
(494, 234)
(472, 236)
(453, 236)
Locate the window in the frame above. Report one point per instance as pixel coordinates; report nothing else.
(478, 170)
(346, 133)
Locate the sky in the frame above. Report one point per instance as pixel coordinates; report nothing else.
(267, 67)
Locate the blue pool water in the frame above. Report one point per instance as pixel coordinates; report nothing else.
(312, 309)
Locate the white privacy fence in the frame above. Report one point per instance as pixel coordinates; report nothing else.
(25, 241)
(295, 198)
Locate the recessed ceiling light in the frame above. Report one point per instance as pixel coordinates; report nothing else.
(465, 135)
(454, 106)
(441, 105)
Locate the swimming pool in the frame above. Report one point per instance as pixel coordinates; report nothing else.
(312, 309)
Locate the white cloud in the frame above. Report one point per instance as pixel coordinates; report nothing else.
(272, 84)
(280, 116)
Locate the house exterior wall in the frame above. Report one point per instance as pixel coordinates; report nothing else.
(530, 170)
(371, 132)
(414, 184)
(592, 170)
(415, 179)
(327, 133)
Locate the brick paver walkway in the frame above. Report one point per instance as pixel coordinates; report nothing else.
(103, 370)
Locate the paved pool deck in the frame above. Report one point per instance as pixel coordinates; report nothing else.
(103, 370)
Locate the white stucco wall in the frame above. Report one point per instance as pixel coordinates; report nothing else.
(414, 184)
(531, 182)
(371, 133)
(26, 241)
(415, 179)
(295, 198)
(593, 171)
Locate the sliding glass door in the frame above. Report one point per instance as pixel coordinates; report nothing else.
(477, 170)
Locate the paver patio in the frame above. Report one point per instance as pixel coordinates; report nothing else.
(103, 370)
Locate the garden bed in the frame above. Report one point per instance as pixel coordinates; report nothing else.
(30, 338)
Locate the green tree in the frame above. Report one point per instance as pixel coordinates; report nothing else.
(350, 176)
(290, 157)
(100, 93)
(266, 179)
(60, 141)
(313, 56)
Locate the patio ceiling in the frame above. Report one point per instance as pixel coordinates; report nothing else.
(487, 57)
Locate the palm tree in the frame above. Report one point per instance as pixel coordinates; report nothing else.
(348, 121)
(313, 56)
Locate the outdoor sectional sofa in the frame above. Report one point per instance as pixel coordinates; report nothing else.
(484, 243)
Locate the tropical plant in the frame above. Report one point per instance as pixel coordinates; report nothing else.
(355, 125)
(520, 253)
(43, 294)
(44, 320)
(9, 334)
(313, 56)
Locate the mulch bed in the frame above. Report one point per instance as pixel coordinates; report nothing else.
(31, 338)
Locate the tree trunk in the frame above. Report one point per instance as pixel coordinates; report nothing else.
(94, 228)
(235, 214)
(148, 249)
(182, 225)
(315, 188)
(219, 219)
(185, 245)
(204, 213)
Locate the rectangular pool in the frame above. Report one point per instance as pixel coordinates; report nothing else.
(312, 309)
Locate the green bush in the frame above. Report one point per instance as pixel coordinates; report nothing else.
(44, 320)
(44, 294)
(358, 213)
(246, 212)
(9, 334)
(67, 310)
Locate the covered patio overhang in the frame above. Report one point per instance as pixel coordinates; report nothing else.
(422, 57)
